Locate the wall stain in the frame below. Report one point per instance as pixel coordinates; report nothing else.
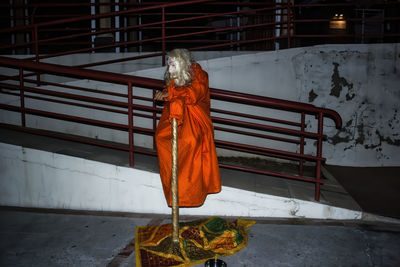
(336, 139)
(361, 136)
(393, 122)
(390, 141)
(338, 83)
(312, 96)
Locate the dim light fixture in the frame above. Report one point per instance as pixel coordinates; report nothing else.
(337, 22)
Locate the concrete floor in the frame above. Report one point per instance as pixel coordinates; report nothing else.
(36, 237)
(51, 238)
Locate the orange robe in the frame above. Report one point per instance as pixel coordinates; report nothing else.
(198, 172)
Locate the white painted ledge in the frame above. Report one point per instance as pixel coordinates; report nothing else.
(35, 178)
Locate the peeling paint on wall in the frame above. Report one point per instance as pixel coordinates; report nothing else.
(361, 83)
(339, 82)
(343, 135)
(312, 96)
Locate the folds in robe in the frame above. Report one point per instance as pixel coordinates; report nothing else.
(198, 172)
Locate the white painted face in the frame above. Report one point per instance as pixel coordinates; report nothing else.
(173, 65)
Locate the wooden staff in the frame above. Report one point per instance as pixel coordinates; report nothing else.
(174, 181)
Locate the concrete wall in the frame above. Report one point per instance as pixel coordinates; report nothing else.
(360, 82)
(119, 67)
(34, 178)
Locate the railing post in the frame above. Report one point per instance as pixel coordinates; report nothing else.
(33, 22)
(288, 23)
(22, 96)
(302, 143)
(163, 36)
(130, 124)
(36, 52)
(319, 155)
(13, 35)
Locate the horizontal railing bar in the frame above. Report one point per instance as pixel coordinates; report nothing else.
(270, 150)
(116, 126)
(138, 26)
(158, 84)
(67, 102)
(250, 116)
(79, 104)
(78, 97)
(141, 26)
(105, 15)
(111, 125)
(88, 141)
(281, 175)
(82, 73)
(157, 39)
(148, 109)
(254, 100)
(266, 127)
(149, 39)
(256, 152)
(63, 85)
(214, 3)
(217, 128)
(75, 97)
(357, 3)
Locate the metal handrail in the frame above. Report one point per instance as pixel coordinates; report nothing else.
(104, 15)
(287, 11)
(149, 83)
(145, 82)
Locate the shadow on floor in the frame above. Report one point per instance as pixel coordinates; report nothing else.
(375, 189)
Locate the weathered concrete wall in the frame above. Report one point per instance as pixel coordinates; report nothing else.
(360, 82)
(119, 67)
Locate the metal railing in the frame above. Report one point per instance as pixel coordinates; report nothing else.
(196, 25)
(20, 91)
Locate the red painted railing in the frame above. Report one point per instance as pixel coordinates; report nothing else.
(21, 89)
(196, 24)
(192, 24)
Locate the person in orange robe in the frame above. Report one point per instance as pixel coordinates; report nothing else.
(187, 98)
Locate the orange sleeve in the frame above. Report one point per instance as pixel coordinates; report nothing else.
(193, 93)
(175, 104)
(176, 109)
(198, 88)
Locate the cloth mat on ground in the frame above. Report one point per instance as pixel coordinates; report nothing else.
(199, 241)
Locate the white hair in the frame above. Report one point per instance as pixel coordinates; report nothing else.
(182, 77)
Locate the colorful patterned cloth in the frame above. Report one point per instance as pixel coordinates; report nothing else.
(199, 241)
